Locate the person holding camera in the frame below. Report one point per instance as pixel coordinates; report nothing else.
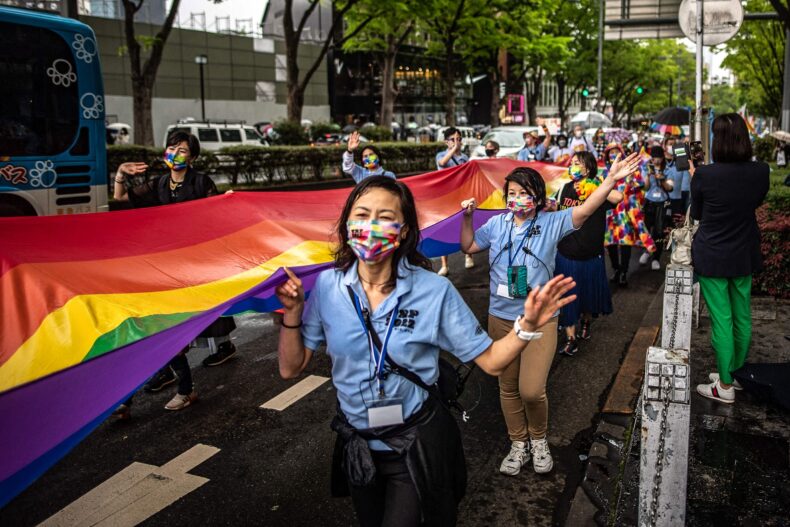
(680, 179)
(371, 161)
(726, 248)
(384, 316)
(452, 157)
(522, 246)
(534, 149)
(656, 200)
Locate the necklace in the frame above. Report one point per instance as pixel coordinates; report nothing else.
(371, 283)
(175, 184)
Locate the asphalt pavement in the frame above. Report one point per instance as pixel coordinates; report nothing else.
(272, 467)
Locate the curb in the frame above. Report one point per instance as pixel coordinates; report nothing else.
(599, 491)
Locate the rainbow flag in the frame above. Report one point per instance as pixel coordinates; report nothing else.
(94, 304)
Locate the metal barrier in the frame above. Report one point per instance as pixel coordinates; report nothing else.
(665, 408)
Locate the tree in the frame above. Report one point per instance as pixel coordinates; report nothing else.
(783, 8)
(144, 73)
(756, 57)
(296, 84)
(384, 37)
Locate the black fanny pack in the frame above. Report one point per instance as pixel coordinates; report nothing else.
(448, 387)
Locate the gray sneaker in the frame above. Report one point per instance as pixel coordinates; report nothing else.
(516, 458)
(541, 457)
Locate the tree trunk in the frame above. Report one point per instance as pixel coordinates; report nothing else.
(295, 102)
(561, 104)
(532, 97)
(495, 102)
(449, 83)
(141, 104)
(388, 92)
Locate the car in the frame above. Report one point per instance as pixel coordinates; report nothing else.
(214, 135)
(510, 139)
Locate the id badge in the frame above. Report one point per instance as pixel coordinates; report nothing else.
(385, 412)
(517, 284)
(502, 290)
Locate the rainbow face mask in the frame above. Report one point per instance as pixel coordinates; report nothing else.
(175, 161)
(520, 206)
(575, 171)
(373, 240)
(370, 161)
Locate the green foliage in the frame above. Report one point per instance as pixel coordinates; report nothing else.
(377, 133)
(763, 148)
(723, 98)
(756, 57)
(321, 128)
(290, 133)
(778, 198)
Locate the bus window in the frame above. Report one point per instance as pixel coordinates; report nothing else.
(251, 134)
(39, 99)
(230, 135)
(207, 135)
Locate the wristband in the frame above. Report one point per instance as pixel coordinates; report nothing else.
(525, 335)
(121, 181)
(283, 324)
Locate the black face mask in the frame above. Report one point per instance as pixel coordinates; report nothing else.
(490, 152)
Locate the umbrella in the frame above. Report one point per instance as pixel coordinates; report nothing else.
(674, 115)
(667, 128)
(781, 135)
(349, 128)
(617, 135)
(591, 120)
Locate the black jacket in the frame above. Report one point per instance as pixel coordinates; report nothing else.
(156, 191)
(724, 197)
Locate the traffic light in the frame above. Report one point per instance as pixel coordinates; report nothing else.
(585, 92)
(640, 90)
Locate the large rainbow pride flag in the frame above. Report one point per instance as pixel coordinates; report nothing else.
(92, 305)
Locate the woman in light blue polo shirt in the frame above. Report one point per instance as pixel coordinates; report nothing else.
(371, 161)
(522, 248)
(381, 311)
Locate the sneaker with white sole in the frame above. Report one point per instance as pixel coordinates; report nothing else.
(716, 392)
(179, 402)
(541, 457)
(735, 384)
(444, 271)
(655, 265)
(469, 262)
(644, 258)
(516, 458)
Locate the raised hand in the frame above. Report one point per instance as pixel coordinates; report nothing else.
(469, 206)
(291, 293)
(543, 301)
(621, 168)
(353, 141)
(131, 168)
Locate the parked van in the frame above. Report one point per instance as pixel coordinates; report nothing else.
(214, 135)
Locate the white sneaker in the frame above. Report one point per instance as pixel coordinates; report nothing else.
(656, 265)
(444, 271)
(716, 392)
(541, 457)
(180, 402)
(516, 458)
(735, 384)
(644, 258)
(469, 262)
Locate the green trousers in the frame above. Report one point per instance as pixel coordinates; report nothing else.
(729, 304)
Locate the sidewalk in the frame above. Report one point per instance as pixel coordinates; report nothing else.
(739, 455)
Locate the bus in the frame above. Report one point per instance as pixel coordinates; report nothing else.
(53, 156)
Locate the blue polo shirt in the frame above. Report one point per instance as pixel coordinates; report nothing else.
(655, 192)
(549, 229)
(358, 173)
(453, 162)
(680, 179)
(535, 153)
(431, 316)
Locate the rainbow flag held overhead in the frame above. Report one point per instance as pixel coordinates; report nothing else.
(94, 304)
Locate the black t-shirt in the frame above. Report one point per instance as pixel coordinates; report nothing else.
(586, 242)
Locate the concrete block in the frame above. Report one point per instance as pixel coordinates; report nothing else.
(678, 288)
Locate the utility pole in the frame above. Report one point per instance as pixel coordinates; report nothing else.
(599, 93)
(785, 123)
(698, 94)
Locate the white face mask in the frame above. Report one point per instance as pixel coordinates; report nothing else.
(577, 133)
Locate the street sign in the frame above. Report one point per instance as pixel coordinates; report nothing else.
(721, 20)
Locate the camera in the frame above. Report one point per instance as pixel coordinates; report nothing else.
(697, 154)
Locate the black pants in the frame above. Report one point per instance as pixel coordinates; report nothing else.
(180, 365)
(620, 256)
(655, 213)
(392, 500)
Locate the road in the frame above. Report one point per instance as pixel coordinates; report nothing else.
(272, 467)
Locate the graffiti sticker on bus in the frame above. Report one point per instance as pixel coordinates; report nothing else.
(14, 174)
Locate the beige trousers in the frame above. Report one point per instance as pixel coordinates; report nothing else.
(522, 386)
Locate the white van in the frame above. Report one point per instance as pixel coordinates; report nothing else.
(214, 135)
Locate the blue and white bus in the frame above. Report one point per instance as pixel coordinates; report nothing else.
(53, 157)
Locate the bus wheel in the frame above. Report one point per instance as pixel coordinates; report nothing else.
(15, 207)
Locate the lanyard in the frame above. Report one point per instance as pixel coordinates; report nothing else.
(523, 240)
(378, 356)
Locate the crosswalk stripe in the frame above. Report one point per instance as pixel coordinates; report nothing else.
(294, 393)
(135, 493)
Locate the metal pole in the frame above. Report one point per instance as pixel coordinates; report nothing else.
(698, 94)
(202, 97)
(786, 90)
(599, 93)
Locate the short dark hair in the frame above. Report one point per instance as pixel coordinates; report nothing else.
(588, 160)
(492, 142)
(731, 143)
(449, 132)
(409, 246)
(180, 136)
(531, 181)
(375, 151)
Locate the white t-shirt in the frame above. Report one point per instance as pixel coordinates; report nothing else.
(581, 144)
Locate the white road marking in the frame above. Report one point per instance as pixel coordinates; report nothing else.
(294, 393)
(136, 493)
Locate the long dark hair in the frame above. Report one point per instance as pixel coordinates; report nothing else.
(531, 180)
(408, 248)
(731, 143)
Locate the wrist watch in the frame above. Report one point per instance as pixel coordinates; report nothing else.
(525, 335)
